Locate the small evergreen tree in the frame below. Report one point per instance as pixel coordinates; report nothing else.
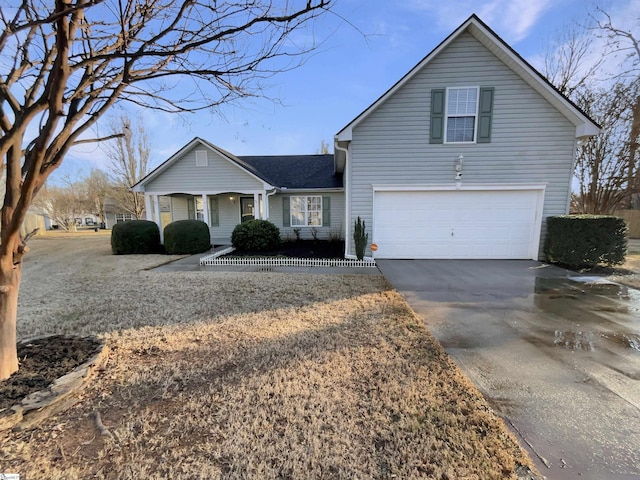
(360, 238)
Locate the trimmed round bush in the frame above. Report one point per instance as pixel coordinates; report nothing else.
(257, 235)
(135, 236)
(186, 237)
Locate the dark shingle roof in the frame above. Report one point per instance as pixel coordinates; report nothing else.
(296, 171)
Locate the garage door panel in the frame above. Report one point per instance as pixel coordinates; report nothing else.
(455, 224)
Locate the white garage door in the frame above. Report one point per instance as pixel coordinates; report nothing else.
(472, 224)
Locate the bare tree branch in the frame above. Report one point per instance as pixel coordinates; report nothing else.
(65, 63)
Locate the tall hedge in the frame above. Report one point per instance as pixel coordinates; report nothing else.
(186, 237)
(585, 241)
(135, 236)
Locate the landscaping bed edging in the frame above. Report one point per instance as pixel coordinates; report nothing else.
(57, 397)
(219, 259)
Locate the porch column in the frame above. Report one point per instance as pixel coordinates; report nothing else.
(158, 219)
(257, 213)
(265, 208)
(205, 210)
(148, 212)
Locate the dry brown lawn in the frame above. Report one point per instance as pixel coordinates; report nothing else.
(231, 375)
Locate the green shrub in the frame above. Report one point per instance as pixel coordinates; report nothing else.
(360, 238)
(135, 236)
(186, 237)
(585, 241)
(258, 235)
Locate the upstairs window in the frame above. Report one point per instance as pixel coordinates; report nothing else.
(462, 111)
(461, 115)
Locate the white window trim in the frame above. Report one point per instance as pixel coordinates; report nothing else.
(306, 199)
(123, 217)
(476, 115)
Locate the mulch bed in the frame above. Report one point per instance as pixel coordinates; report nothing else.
(42, 361)
(299, 249)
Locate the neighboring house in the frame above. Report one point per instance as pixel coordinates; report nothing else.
(464, 157)
(114, 213)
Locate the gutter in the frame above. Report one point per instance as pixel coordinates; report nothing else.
(347, 200)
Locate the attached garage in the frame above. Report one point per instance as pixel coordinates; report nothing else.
(500, 223)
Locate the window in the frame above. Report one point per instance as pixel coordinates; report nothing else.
(306, 211)
(462, 110)
(199, 208)
(123, 217)
(461, 115)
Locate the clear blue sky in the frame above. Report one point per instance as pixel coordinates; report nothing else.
(350, 71)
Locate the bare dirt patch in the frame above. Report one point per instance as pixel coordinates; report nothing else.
(234, 375)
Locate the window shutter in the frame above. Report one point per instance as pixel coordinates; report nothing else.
(486, 111)
(214, 218)
(191, 208)
(437, 115)
(326, 211)
(286, 211)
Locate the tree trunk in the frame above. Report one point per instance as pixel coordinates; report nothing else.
(9, 287)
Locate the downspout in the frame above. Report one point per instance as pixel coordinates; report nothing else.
(273, 192)
(347, 200)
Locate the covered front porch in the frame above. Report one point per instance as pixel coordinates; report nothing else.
(220, 210)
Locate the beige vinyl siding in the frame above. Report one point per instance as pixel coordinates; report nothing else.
(220, 174)
(179, 208)
(531, 141)
(336, 229)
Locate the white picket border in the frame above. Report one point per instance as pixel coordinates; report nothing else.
(218, 259)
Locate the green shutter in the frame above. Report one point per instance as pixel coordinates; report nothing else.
(214, 217)
(286, 212)
(486, 111)
(437, 115)
(326, 211)
(191, 208)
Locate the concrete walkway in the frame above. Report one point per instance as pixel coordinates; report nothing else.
(557, 355)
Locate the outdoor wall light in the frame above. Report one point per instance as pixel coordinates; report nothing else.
(458, 167)
(232, 199)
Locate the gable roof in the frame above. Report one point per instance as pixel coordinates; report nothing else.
(585, 126)
(288, 171)
(296, 171)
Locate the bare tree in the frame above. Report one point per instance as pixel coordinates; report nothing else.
(606, 166)
(62, 204)
(65, 202)
(64, 63)
(602, 162)
(625, 45)
(98, 187)
(324, 147)
(129, 155)
(569, 64)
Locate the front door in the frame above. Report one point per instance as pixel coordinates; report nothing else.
(247, 210)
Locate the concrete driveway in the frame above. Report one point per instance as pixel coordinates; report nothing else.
(556, 354)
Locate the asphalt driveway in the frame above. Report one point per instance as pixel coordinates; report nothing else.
(556, 354)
